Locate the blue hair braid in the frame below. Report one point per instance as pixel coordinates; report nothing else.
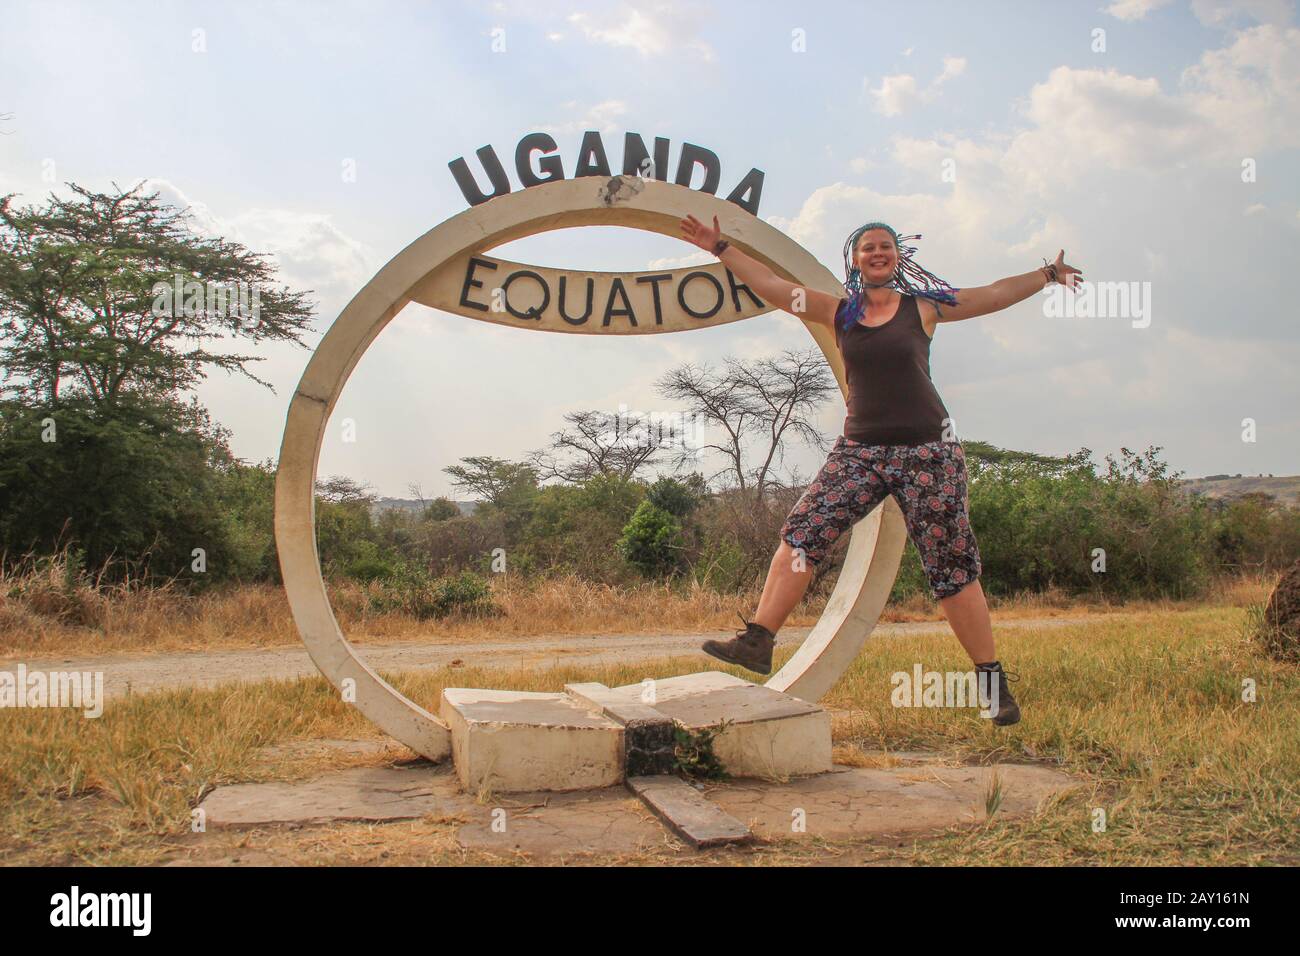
(909, 278)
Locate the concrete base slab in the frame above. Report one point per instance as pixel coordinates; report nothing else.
(649, 737)
(608, 822)
(911, 799)
(858, 802)
(507, 741)
(771, 735)
(687, 813)
(378, 794)
(592, 736)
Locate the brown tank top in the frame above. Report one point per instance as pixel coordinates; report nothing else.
(892, 400)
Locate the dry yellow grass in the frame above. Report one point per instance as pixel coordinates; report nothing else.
(1147, 710)
(49, 620)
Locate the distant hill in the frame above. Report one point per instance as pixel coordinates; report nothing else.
(410, 504)
(1285, 489)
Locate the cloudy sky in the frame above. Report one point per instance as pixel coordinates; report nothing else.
(1156, 141)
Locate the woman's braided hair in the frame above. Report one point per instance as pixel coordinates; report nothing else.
(909, 278)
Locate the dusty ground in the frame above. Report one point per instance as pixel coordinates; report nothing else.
(139, 673)
(902, 797)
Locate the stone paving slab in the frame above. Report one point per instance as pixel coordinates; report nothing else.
(688, 813)
(377, 794)
(606, 821)
(855, 802)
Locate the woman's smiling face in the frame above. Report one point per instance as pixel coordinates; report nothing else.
(876, 256)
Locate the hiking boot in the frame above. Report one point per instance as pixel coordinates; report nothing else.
(1008, 710)
(750, 648)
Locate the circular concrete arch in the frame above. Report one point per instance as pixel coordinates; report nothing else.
(419, 273)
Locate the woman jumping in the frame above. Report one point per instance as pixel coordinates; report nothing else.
(898, 438)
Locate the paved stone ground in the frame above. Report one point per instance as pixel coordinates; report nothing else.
(853, 802)
(607, 821)
(358, 793)
(919, 793)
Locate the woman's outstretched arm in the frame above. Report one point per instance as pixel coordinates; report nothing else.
(809, 304)
(982, 300)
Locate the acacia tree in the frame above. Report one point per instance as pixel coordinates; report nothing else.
(98, 449)
(83, 306)
(770, 399)
(601, 443)
(495, 481)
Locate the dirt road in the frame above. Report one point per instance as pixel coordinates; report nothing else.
(140, 673)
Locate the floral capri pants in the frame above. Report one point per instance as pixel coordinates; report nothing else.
(928, 482)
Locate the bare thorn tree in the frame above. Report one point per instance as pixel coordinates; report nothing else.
(772, 399)
(600, 443)
(789, 389)
(719, 403)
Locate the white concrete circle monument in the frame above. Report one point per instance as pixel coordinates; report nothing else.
(448, 269)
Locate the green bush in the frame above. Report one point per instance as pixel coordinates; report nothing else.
(577, 527)
(135, 486)
(411, 591)
(678, 498)
(651, 541)
(1040, 524)
(369, 568)
(246, 502)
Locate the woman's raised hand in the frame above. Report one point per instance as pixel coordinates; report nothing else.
(1067, 275)
(698, 234)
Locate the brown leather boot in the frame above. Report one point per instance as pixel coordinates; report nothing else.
(1008, 710)
(750, 648)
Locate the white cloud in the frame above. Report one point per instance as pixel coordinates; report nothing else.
(899, 92)
(952, 66)
(1134, 9)
(1217, 13)
(1235, 102)
(203, 222)
(1211, 13)
(895, 94)
(309, 251)
(1248, 93)
(652, 29)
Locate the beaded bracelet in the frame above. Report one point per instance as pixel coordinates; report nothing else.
(720, 247)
